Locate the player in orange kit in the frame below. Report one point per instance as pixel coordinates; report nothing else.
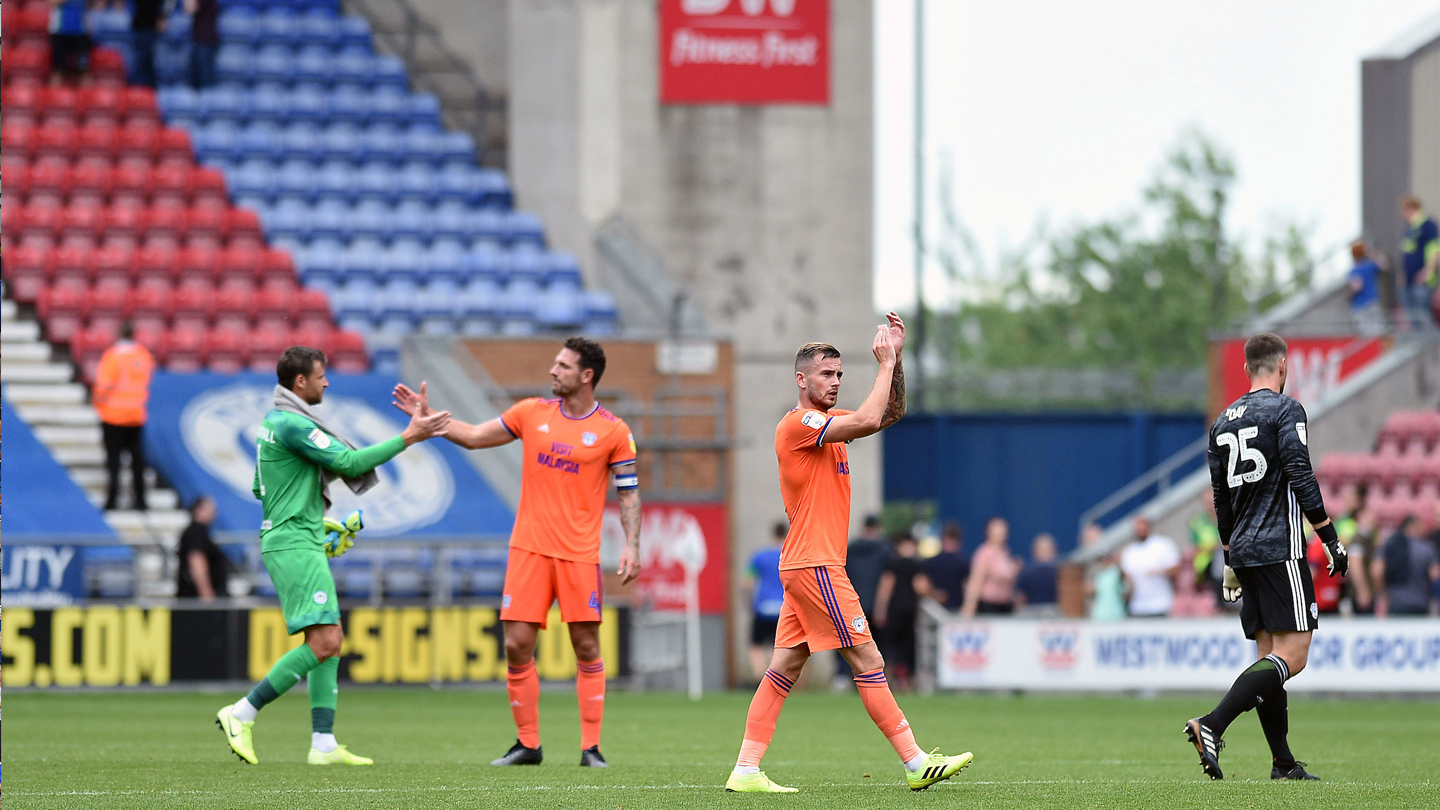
(821, 610)
(571, 446)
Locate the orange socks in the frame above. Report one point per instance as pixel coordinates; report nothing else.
(524, 687)
(590, 689)
(885, 712)
(760, 722)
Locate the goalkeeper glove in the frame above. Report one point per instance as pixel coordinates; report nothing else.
(1335, 553)
(340, 535)
(1230, 585)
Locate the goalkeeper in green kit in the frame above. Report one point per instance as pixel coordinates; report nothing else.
(297, 455)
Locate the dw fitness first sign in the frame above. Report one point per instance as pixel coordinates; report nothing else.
(744, 51)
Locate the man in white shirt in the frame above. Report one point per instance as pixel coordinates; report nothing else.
(1149, 565)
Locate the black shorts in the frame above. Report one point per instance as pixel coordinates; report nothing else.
(762, 630)
(1277, 598)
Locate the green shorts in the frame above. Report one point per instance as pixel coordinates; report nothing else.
(305, 586)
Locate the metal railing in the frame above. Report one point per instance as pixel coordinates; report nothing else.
(465, 103)
(651, 299)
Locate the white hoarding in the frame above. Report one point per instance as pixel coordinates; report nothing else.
(1359, 655)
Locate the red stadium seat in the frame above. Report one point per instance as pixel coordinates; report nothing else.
(156, 260)
(60, 103)
(138, 104)
(59, 308)
(205, 226)
(170, 185)
(107, 66)
(97, 142)
(17, 139)
(83, 221)
(184, 349)
(55, 139)
(107, 304)
(242, 227)
(313, 309)
(21, 102)
(314, 338)
(27, 270)
(114, 261)
(164, 223)
(174, 146)
(239, 262)
(17, 177)
(130, 184)
(207, 188)
(153, 302)
(48, 176)
(74, 261)
(234, 306)
(32, 21)
(123, 221)
(140, 142)
(196, 264)
(88, 180)
(39, 221)
(266, 346)
(194, 302)
(277, 264)
(27, 62)
(275, 308)
(101, 101)
(225, 350)
(347, 352)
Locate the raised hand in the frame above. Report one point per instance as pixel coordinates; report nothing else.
(425, 426)
(410, 402)
(883, 347)
(897, 332)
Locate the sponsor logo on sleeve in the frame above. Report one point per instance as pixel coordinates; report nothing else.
(319, 438)
(321, 597)
(813, 419)
(1300, 431)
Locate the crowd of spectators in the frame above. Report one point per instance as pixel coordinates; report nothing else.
(1416, 283)
(71, 42)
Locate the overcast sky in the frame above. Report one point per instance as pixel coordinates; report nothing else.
(1062, 110)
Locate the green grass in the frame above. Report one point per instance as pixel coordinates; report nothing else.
(159, 749)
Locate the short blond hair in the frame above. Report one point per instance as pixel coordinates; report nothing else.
(811, 352)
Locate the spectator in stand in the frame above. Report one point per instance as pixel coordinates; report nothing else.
(147, 20)
(121, 392)
(1356, 529)
(1036, 582)
(1421, 253)
(1406, 571)
(1365, 292)
(949, 569)
(1104, 584)
(897, 605)
(993, 569)
(204, 570)
(1328, 589)
(865, 561)
(1150, 565)
(70, 42)
(1205, 538)
(204, 41)
(762, 583)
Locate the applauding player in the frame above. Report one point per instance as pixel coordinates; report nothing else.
(821, 610)
(572, 445)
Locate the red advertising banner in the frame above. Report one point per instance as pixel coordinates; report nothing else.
(677, 541)
(744, 51)
(1317, 366)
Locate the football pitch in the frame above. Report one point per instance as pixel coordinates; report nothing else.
(432, 749)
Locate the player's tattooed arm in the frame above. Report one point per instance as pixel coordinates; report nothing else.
(630, 519)
(895, 407)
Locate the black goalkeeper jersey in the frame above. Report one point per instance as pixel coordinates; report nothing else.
(1264, 485)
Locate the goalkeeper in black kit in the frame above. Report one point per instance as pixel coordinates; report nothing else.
(1265, 491)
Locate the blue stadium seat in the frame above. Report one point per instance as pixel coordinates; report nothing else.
(439, 308)
(450, 223)
(388, 71)
(354, 68)
(308, 103)
(415, 181)
(528, 266)
(223, 104)
(314, 64)
(258, 141)
(361, 258)
(423, 144)
(110, 25)
(317, 28)
(370, 218)
(492, 189)
(235, 63)
(320, 263)
(457, 146)
(214, 141)
(295, 178)
(388, 106)
(274, 63)
(444, 264)
(395, 306)
(411, 221)
(374, 181)
(480, 306)
(178, 100)
(279, 25)
(253, 178)
(562, 272)
(561, 309)
(342, 141)
(524, 228)
(289, 218)
(488, 264)
(332, 181)
(403, 261)
(487, 226)
(353, 306)
(172, 62)
(178, 27)
(423, 108)
(353, 31)
(239, 26)
(270, 103)
(518, 305)
(299, 141)
(602, 317)
(382, 144)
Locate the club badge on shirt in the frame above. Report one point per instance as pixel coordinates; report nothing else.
(588, 438)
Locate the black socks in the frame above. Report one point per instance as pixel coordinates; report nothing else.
(1254, 685)
(1274, 714)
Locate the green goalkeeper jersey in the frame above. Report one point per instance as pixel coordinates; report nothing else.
(289, 453)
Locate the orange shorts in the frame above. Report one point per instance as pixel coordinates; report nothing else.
(821, 610)
(534, 581)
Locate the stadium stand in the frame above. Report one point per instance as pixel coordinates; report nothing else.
(1401, 476)
(353, 175)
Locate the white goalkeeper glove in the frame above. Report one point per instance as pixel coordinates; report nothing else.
(340, 535)
(1230, 585)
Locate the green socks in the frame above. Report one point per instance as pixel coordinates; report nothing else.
(287, 672)
(324, 689)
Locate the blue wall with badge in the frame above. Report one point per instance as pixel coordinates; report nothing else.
(201, 436)
(1038, 471)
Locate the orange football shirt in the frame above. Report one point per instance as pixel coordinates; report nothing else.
(815, 483)
(563, 478)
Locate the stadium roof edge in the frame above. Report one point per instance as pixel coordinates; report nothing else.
(1414, 39)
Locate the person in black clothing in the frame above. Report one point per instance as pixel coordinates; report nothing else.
(1037, 579)
(1264, 489)
(204, 570)
(146, 22)
(865, 560)
(897, 603)
(204, 41)
(949, 569)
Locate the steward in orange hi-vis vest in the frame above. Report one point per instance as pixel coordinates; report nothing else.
(122, 384)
